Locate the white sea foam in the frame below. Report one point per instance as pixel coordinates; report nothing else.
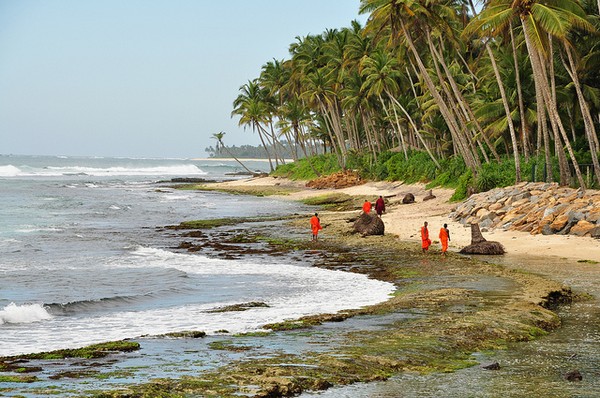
(26, 313)
(9, 171)
(290, 291)
(54, 171)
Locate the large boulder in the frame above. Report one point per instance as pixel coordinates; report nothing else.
(408, 199)
(479, 245)
(369, 224)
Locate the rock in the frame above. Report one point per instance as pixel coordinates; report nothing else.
(595, 233)
(491, 366)
(593, 215)
(479, 245)
(574, 375)
(369, 224)
(429, 196)
(408, 198)
(559, 222)
(582, 228)
(547, 230)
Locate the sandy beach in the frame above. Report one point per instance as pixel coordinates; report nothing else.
(405, 221)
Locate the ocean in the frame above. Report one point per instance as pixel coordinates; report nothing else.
(82, 262)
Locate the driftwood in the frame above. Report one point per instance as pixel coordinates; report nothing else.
(479, 245)
(369, 224)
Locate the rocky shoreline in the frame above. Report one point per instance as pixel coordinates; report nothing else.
(537, 208)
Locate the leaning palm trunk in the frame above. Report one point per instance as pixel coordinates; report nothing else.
(396, 128)
(262, 140)
(236, 159)
(588, 122)
(457, 135)
(524, 129)
(469, 116)
(540, 74)
(511, 127)
(416, 130)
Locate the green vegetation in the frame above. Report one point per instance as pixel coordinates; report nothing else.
(417, 167)
(480, 90)
(242, 190)
(93, 351)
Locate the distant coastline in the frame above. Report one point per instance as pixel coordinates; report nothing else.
(240, 159)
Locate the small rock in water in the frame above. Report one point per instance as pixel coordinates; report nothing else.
(574, 375)
(492, 366)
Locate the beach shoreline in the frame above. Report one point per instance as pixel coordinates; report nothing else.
(405, 220)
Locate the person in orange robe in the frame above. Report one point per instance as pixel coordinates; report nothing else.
(315, 225)
(425, 241)
(444, 238)
(367, 207)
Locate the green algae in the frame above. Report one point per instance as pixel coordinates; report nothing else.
(93, 351)
(451, 324)
(258, 190)
(188, 334)
(17, 379)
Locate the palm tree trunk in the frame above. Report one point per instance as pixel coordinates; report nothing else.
(511, 127)
(540, 74)
(236, 159)
(524, 129)
(588, 122)
(464, 105)
(457, 135)
(416, 130)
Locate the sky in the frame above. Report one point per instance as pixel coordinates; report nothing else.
(141, 78)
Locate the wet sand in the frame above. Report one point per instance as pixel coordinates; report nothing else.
(405, 221)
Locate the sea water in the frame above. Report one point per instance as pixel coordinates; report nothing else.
(81, 261)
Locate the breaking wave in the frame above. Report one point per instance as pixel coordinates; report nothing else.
(25, 313)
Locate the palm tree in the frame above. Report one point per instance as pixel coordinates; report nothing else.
(219, 137)
(541, 20)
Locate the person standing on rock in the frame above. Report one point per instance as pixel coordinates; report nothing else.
(367, 207)
(380, 206)
(425, 241)
(315, 226)
(444, 238)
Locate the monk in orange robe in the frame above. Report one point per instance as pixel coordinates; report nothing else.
(315, 225)
(367, 207)
(425, 241)
(444, 238)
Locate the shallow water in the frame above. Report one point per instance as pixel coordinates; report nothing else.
(534, 369)
(83, 259)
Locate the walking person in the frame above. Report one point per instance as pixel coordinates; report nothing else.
(315, 226)
(444, 238)
(425, 241)
(380, 206)
(367, 207)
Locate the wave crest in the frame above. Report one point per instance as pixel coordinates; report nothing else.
(25, 313)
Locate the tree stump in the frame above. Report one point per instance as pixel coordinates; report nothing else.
(479, 245)
(429, 196)
(369, 224)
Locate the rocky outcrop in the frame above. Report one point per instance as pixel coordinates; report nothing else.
(537, 208)
(369, 224)
(342, 179)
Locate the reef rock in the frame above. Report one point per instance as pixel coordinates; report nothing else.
(369, 224)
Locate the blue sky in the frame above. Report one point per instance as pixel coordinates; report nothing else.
(141, 78)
